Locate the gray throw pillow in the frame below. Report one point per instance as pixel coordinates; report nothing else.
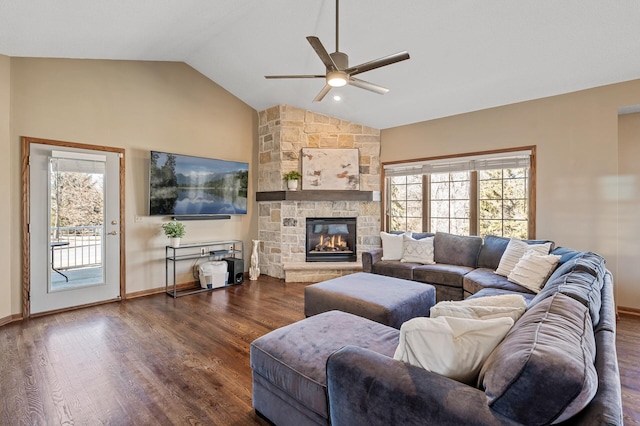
(543, 371)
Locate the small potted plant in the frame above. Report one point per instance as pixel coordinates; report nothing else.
(174, 230)
(292, 179)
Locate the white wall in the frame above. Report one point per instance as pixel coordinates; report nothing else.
(629, 195)
(5, 187)
(138, 106)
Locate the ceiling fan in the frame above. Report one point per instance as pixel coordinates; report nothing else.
(339, 73)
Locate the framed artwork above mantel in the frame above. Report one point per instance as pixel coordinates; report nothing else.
(330, 169)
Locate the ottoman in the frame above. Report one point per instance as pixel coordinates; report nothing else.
(289, 364)
(387, 300)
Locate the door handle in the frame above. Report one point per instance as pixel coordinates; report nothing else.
(112, 233)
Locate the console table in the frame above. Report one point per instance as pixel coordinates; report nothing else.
(209, 250)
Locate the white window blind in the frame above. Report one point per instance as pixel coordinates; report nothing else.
(77, 162)
(510, 160)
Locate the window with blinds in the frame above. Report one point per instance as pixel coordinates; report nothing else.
(480, 194)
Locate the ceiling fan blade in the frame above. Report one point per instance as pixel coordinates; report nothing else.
(367, 86)
(295, 76)
(322, 53)
(377, 63)
(322, 93)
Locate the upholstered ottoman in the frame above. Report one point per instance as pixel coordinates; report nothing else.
(289, 364)
(387, 300)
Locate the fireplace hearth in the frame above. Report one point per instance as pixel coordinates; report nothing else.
(331, 239)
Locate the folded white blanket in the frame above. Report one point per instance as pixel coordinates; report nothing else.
(508, 305)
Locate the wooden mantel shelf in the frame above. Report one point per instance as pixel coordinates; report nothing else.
(318, 195)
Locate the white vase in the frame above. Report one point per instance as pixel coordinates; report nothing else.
(254, 270)
(174, 242)
(292, 185)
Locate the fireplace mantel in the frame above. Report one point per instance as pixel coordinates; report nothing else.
(318, 195)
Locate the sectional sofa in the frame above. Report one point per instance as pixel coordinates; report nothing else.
(464, 265)
(556, 365)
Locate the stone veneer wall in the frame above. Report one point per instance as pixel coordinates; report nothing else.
(283, 132)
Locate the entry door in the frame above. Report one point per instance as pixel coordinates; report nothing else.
(74, 227)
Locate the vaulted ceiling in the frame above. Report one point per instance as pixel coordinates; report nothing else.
(466, 55)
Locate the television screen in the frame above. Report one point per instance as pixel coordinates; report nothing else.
(186, 185)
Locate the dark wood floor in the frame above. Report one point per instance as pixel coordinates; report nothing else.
(156, 360)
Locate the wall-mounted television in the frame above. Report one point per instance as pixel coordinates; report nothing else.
(196, 187)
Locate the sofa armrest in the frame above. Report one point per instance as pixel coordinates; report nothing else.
(366, 387)
(369, 258)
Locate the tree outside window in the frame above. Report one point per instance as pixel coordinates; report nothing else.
(406, 208)
(501, 206)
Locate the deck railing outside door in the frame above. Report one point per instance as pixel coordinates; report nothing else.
(84, 249)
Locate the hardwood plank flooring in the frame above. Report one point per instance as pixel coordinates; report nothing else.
(628, 348)
(155, 360)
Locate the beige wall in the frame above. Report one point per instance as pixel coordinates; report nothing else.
(629, 243)
(137, 106)
(5, 184)
(577, 139)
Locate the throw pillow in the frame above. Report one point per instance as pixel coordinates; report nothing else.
(506, 305)
(514, 252)
(533, 270)
(452, 347)
(392, 245)
(418, 251)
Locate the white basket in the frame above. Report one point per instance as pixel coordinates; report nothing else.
(213, 274)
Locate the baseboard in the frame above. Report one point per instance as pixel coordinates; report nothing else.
(9, 319)
(158, 290)
(628, 311)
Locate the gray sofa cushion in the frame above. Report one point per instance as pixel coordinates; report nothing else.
(498, 292)
(566, 254)
(581, 278)
(543, 372)
(450, 275)
(491, 252)
(481, 278)
(456, 249)
(394, 268)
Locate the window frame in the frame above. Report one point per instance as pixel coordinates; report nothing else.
(474, 219)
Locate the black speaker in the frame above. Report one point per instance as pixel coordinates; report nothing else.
(235, 269)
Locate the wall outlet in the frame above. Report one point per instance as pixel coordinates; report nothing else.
(203, 251)
(231, 247)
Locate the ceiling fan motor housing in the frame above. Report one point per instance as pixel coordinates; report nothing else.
(340, 59)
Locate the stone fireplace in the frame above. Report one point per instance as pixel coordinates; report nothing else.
(282, 222)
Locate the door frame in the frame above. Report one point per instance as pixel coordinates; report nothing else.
(26, 247)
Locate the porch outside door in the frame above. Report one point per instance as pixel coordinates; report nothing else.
(74, 234)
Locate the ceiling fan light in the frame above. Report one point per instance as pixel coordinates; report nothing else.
(337, 78)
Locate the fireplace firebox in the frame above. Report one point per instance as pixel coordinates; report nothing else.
(331, 239)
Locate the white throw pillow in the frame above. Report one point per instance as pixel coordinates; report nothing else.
(506, 305)
(533, 270)
(514, 252)
(418, 251)
(452, 347)
(392, 245)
